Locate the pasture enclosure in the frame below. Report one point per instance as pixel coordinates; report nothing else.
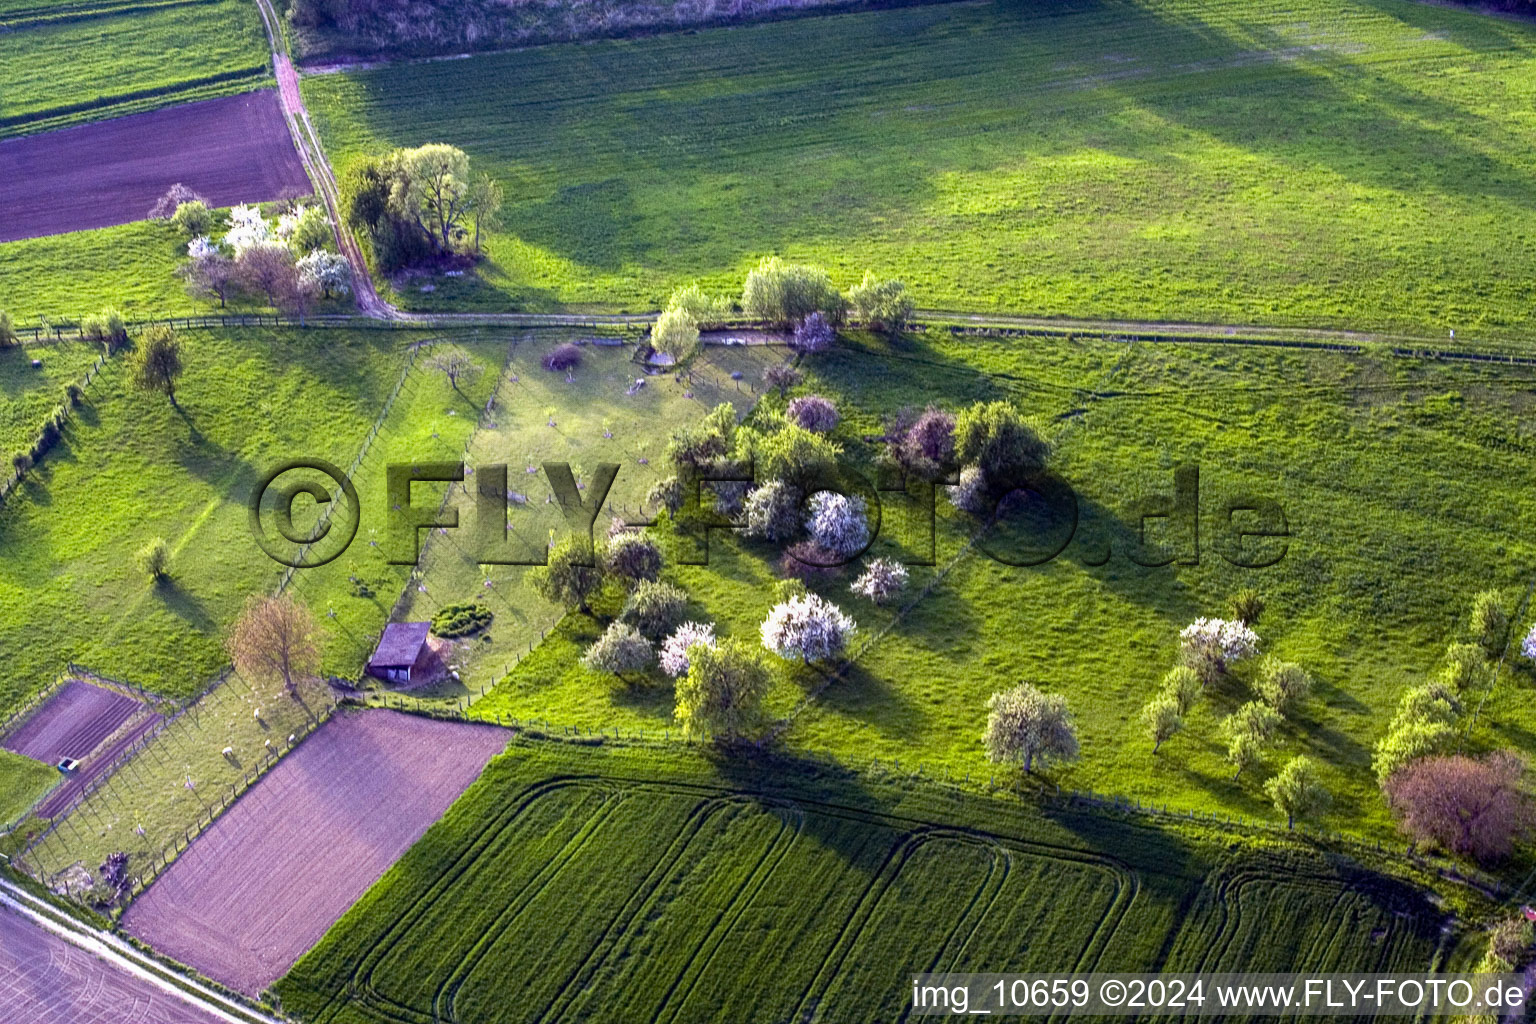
(1360, 164)
(645, 884)
(267, 879)
(130, 467)
(235, 149)
(46, 980)
(592, 415)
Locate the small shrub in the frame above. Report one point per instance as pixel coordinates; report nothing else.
(8, 330)
(773, 512)
(562, 358)
(633, 557)
(74, 394)
(807, 561)
(455, 620)
(154, 558)
(1490, 622)
(1246, 606)
(788, 292)
(972, 495)
(676, 333)
(21, 462)
(883, 305)
(781, 376)
(881, 581)
(621, 650)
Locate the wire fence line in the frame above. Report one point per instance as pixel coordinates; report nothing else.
(137, 747)
(357, 461)
(19, 470)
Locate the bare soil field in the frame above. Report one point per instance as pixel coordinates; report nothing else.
(265, 882)
(71, 723)
(235, 149)
(45, 980)
(94, 767)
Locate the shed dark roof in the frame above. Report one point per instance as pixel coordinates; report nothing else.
(400, 645)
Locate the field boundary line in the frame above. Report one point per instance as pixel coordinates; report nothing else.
(68, 406)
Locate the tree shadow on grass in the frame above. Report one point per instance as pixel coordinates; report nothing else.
(184, 604)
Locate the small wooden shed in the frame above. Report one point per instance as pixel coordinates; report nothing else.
(402, 651)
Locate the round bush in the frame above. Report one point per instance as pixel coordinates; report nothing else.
(562, 357)
(655, 608)
(455, 620)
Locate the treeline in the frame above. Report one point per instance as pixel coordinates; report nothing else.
(416, 28)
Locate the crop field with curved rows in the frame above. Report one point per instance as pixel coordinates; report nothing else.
(623, 885)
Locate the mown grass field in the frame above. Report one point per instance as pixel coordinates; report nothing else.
(1402, 485)
(131, 267)
(646, 884)
(131, 467)
(83, 66)
(1360, 164)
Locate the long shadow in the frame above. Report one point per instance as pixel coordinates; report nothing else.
(186, 605)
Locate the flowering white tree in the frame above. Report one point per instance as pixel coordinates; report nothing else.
(1024, 724)
(808, 627)
(837, 522)
(674, 649)
(1209, 646)
(202, 247)
(326, 272)
(246, 228)
(1528, 645)
(881, 581)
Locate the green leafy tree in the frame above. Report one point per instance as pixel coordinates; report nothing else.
(192, 218)
(1283, 684)
(1027, 725)
(1297, 791)
(1162, 719)
(722, 693)
(484, 200)
(1490, 622)
(154, 558)
(883, 305)
(996, 438)
(1466, 667)
(1183, 684)
(786, 293)
(676, 333)
(571, 576)
(157, 361)
(794, 455)
(433, 189)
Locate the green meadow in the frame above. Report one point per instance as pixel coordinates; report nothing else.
(132, 467)
(1403, 495)
(1360, 164)
(104, 63)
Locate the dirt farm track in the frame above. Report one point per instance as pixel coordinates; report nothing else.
(235, 149)
(45, 980)
(259, 887)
